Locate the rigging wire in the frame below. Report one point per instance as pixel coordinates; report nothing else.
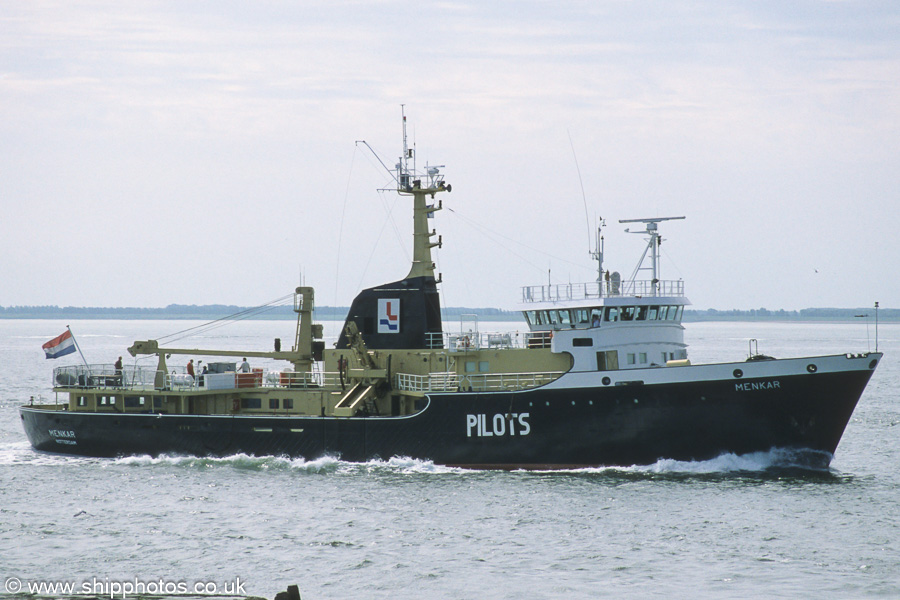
(388, 208)
(375, 247)
(672, 262)
(587, 218)
(337, 267)
(491, 234)
(222, 321)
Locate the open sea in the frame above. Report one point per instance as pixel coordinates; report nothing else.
(753, 526)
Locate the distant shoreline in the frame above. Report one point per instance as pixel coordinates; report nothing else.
(326, 313)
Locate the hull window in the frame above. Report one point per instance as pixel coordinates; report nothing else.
(251, 403)
(608, 361)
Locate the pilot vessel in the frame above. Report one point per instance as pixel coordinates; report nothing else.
(601, 377)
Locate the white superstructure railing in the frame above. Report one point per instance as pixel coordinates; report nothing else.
(475, 340)
(601, 289)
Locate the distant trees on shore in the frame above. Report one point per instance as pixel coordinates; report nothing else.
(326, 313)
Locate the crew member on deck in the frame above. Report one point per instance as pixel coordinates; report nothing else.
(190, 368)
(245, 367)
(118, 367)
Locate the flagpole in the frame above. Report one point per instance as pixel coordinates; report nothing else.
(79, 347)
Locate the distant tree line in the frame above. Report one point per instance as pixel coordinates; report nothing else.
(215, 311)
(218, 311)
(806, 314)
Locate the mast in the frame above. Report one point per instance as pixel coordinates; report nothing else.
(410, 184)
(597, 254)
(652, 247)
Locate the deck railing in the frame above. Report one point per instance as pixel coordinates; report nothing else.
(475, 382)
(474, 340)
(598, 289)
(105, 376)
(146, 379)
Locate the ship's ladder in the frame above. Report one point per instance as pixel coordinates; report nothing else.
(358, 396)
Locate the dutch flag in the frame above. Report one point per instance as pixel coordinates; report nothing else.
(60, 345)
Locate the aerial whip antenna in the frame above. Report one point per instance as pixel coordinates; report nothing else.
(587, 218)
(596, 253)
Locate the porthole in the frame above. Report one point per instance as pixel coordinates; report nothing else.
(605, 381)
(812, 368)
(738, 373)
(873, 363)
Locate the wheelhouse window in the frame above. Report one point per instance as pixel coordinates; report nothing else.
(641, 313)
(565, 317)
(653, 313)
(612, 313)
(596, 317)
(626, 313)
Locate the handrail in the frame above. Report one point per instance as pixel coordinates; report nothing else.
(482, 340)
(456, 382)
(598, 289)
(146, 379)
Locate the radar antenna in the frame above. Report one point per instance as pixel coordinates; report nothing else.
(652, 247)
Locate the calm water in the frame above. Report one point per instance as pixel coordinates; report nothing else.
(733, 527)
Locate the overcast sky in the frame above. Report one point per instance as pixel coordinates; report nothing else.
(204, 152)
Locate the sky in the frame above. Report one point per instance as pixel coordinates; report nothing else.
(154, 153)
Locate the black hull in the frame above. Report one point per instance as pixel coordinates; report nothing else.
(540, 428)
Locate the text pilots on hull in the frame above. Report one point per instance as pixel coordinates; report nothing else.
(601, 377)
